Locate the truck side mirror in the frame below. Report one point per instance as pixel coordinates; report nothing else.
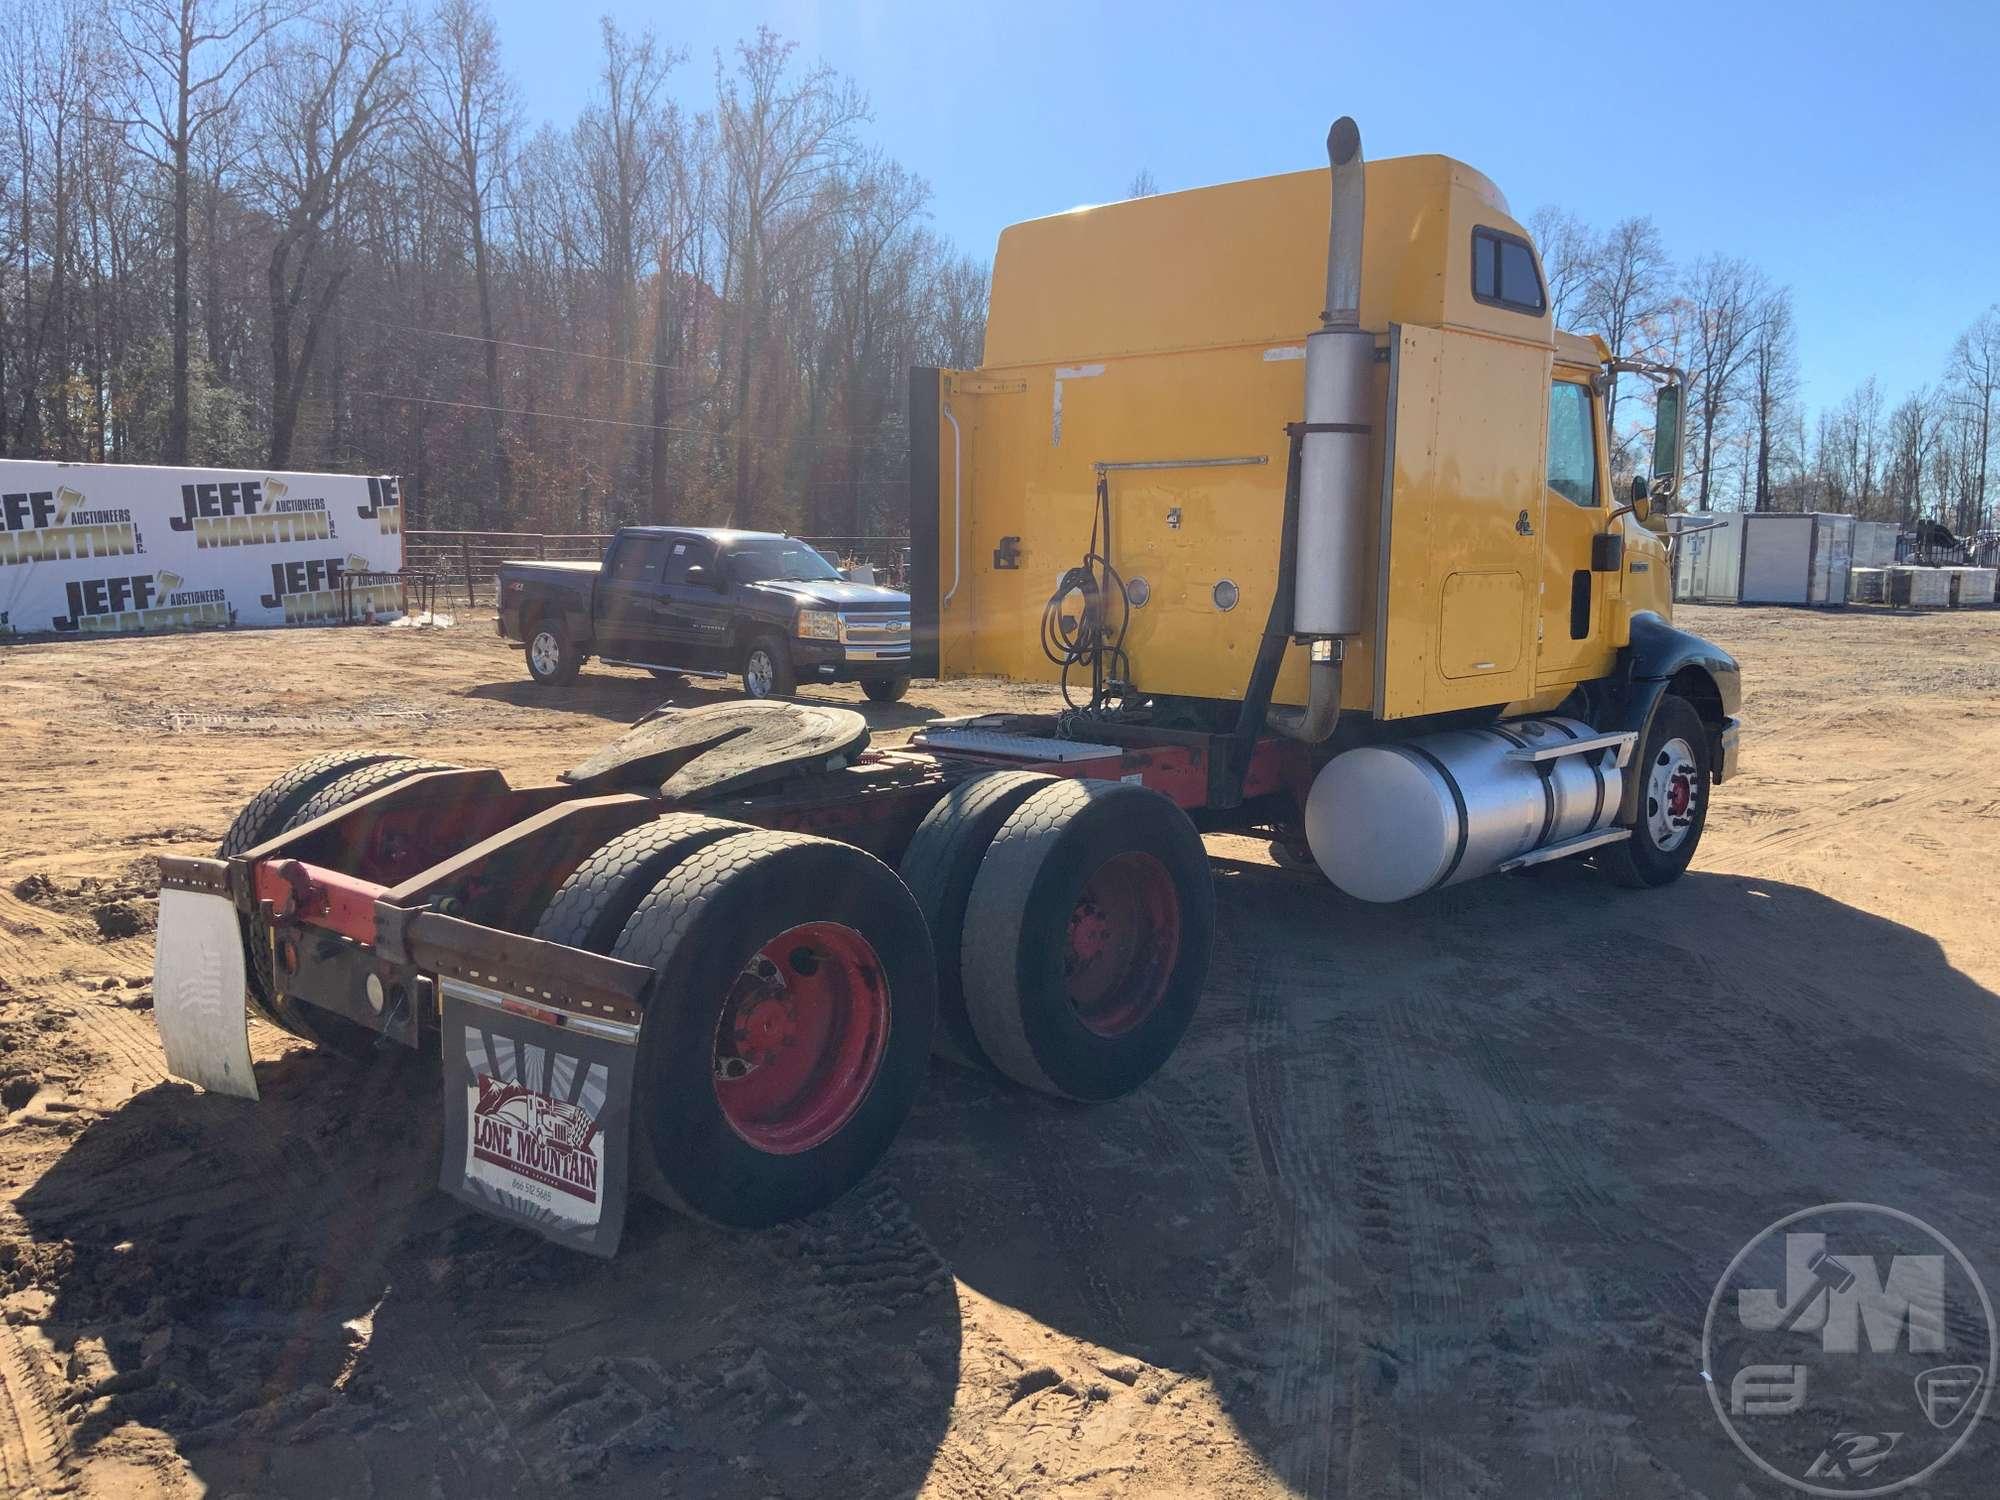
(696, 573)
(1642, 498)
(1667, 419)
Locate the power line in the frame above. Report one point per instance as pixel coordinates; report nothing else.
(480, 338)
(564, 416)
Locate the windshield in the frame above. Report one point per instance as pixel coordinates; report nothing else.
(786, 560)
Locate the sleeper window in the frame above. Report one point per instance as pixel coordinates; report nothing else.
(1504, 274)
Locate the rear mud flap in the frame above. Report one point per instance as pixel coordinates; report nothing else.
(538, 1114)
(198, 989)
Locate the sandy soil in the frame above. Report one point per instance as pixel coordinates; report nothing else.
(1430, 1203)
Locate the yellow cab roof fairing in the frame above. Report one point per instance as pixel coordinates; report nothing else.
(1244, 263)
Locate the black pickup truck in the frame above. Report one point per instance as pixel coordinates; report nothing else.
(690, 601)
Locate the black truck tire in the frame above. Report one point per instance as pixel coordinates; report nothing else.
(1088, 939)
(263, 817)
(265, 814)
(1672, 767)
(591, 908)
(551, 654)
(767, 667)
(794, 958)
(322, 1027)
(939, 867)
(885, 689)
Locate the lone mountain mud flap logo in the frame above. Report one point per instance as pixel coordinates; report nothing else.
(537, 1118)
(1849, 1350)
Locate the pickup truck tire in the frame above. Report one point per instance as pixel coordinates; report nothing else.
(592, 907)
(790, 1029)
(939, 867)
(767, 668)
(1673, 772)
(1087, 938)
(885, 689)
(552, 656)
(322, 1027)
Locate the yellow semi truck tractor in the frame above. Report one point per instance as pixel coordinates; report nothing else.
(1334, 558)
(1336, 510)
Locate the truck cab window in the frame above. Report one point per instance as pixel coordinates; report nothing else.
(684, 553)
(1572, 443)
(1504, 274)
(638, 560)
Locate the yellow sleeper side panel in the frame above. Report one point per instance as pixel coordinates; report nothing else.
(1027, 469)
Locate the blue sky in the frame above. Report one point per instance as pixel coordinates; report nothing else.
(1852, 151)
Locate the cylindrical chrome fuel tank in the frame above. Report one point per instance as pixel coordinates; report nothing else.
(1387, 822)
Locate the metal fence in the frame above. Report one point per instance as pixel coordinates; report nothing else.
(464, 562)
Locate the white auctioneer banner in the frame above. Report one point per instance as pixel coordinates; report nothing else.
(104, 548)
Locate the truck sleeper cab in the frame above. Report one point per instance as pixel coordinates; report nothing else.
(1462, 554)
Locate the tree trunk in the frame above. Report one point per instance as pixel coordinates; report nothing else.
(177, 418)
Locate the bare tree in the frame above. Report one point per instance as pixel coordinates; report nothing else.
(1975, 380)
(330, 90)
(1569, 253)
(188, 60)
(1773, 384)
(780, 140)
(467, 116)
(1624, 296)
(1143, 184)
(1722, 306)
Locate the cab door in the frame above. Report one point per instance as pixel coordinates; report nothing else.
(631, 607)
(1574, 639)
(698, 593)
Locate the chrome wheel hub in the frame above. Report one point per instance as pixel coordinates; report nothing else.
(759, 674)
(545, 651)
(1673, 795)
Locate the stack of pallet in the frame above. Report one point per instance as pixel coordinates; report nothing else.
(1930, 588)
(1975, 585)
(1867, 585)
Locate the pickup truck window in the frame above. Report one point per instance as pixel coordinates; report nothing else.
(781, 558)
(638, 560)
(685, 553)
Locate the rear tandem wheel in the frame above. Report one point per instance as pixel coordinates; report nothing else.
(789, 1029)
(1088, 937)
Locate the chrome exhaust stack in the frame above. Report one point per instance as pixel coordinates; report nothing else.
(1333, 476)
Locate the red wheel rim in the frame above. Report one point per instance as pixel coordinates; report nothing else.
(1124, 937)
(801, 1037)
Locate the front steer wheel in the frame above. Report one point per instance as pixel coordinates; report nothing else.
(885, 689)
(1087, 938)
(1672, 772)
(790, 1027)
(767, 668)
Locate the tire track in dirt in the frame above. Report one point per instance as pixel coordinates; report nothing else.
(1295, 1125)
(34, 1447)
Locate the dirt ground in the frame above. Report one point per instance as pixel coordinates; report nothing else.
(1431, 1201)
